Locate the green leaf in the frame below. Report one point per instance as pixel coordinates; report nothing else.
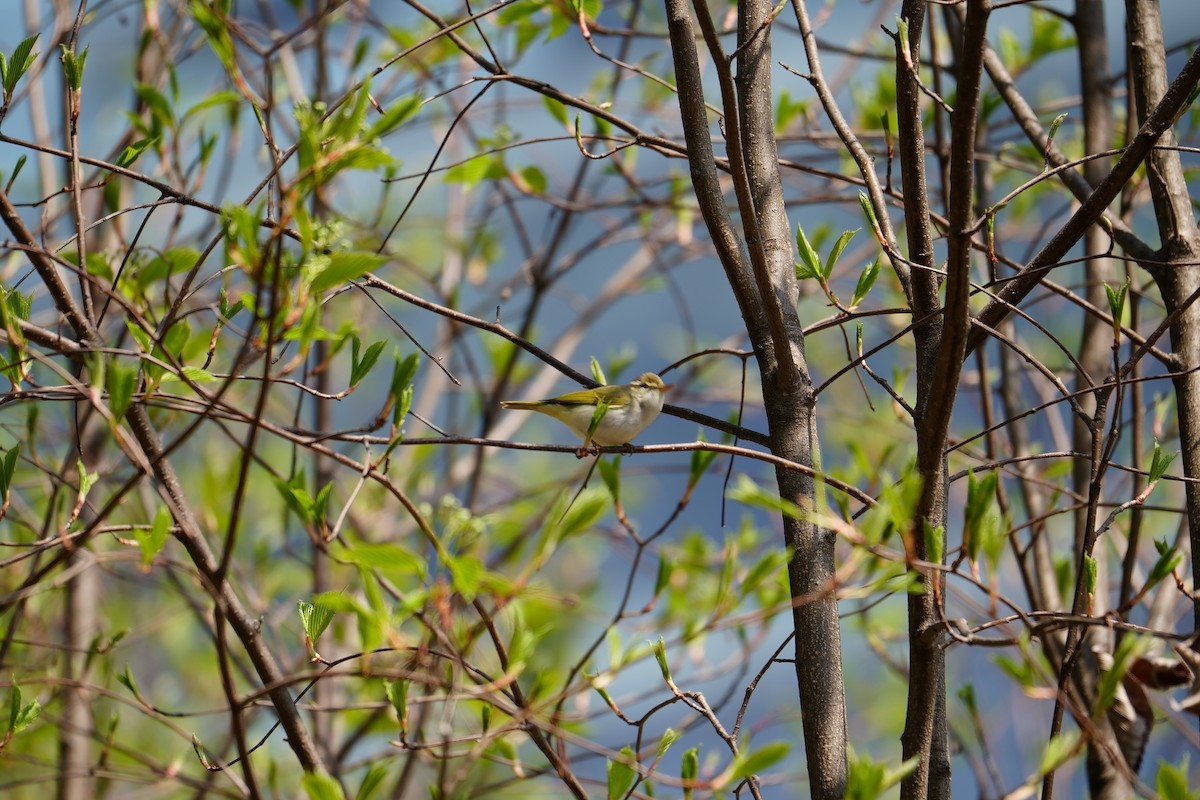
(126, 679)
(321, 786)
(809, 265)
(17, 167)
(477, 169)
(535, 179)
(151, 542)
(295, 493)
(361, 367)
(867, 779)
(1172, 781)
(746, 491)
(400, 112)
(86, 480)
(556, 109)
(228, 98)
(1159, 462)
(466, 574)
(966, 693)
(979, 514)
(316, 616)
(836, 252)
(1059, 749)
(161, 111)
(140, 335)
(20, 714)
(73, 65)
(670, 735)
(8, 469)
(22, 58)
(755, 761)
(131, 152)
(935, 541)
(403, 372)
(864, 202)
(1168, 559)
(397, 695)
(660, 655)
(610, 473)
(597, 418)
(384, 556)
(193, 374)
(343, 267)
(371, 781)
(1130, 648)
(1089, 573)
(598, 372)
(865, 281)
(1116, 303)
(621, 773)
(689, 768)
(700, 462)
(172, 262)
(1054, 126)
(588, 507)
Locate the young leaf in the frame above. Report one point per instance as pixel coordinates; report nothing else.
(1172, 781)
(343, 267)
(1168, 559)
(120, 381)
(321, 786)
(394, 117)
(316, 616)
(621, 774)
(610, 473)
(598, 372)
(1089, 573)
(668, 738)
(809, 265)
(864, 203)
(130, 153)
(755, 761)
(73, 64)
(660, 655)
(403, 372)
(597, 418)
(361, 367)
(397, 695)
(151, 542)
(865, 281)
(1054, 126)
(935, 542)
(1060, 748)
(8, 469)
(836, 252)
(372, 781)
(1159, 463)
(22, 58)
(20, 714)
(689, 768)
(1116, 304)
(700, 461)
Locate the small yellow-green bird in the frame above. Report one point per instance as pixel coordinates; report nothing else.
(631, 407)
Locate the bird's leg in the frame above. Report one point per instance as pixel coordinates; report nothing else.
(627, 448)
(587, 445)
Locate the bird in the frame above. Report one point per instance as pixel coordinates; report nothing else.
(630, 408)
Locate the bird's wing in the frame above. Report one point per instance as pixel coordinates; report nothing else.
(587, 397)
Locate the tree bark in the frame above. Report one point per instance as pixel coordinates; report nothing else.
(762, 277)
